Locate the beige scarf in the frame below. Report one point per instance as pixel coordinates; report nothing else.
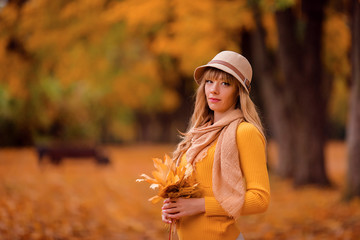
(228, 184)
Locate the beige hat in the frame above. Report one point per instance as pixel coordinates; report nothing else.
(230, 62)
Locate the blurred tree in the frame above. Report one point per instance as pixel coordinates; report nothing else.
(181, 35)
(14, 55)
(123, 69)
(353, 129)
(297, 96)
(65, 72)
(310, 88)
(276, 97)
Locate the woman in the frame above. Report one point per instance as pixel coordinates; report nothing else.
(226, 145)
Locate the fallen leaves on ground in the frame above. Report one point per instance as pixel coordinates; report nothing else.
(81, 200)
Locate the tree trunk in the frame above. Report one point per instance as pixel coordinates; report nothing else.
(300, 61)
(312, 101)
(353, 130)
(276, 101)
(295, 99)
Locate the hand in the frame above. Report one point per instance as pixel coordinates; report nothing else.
(181, 207)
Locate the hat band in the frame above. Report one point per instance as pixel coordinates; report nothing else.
(244, 79)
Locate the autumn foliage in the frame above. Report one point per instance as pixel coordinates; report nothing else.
(103, 69)
(121, 71)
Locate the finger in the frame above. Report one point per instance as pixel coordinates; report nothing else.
(171, 210)
(167, 200)
(165, 217)
(169, 205)
(175, 215)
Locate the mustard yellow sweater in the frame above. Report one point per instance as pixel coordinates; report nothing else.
(215, 224)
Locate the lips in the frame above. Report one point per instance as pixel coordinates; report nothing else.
(214, 100)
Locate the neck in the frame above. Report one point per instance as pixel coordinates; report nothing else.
(220, 115)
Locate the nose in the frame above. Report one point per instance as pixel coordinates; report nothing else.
(215, 87)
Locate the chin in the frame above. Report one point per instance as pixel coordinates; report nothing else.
(217, 110)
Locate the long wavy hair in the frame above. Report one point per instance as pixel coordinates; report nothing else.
(203, 114)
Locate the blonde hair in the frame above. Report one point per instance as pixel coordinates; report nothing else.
(203, 114)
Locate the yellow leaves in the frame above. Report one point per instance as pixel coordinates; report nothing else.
(197, 30)
(78, 8)
(3, 44)
(191, 30)
(160, 177)
(171, 100)
(77, 200)
(163, 174)
(140, 14)
(172, 181)
(137, 83)
(16, 87)
(337, 42)
(9, 14)
(14, 80)
(339, 102)
(234, 15)
(268, 21)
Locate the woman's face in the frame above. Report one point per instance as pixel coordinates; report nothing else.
(221, 95)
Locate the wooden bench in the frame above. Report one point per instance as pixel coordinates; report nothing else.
(57, 153)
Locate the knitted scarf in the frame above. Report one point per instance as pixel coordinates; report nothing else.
(227, 179)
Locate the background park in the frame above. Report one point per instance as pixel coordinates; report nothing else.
(116, 75)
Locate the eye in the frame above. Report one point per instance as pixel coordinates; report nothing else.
(208, 81)
(225, 83)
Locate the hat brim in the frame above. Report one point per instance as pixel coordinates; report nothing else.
(199, 71)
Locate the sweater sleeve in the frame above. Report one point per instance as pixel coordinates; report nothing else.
(213, 207)
(251, 145)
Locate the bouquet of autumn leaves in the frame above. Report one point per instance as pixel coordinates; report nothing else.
(171, 181)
